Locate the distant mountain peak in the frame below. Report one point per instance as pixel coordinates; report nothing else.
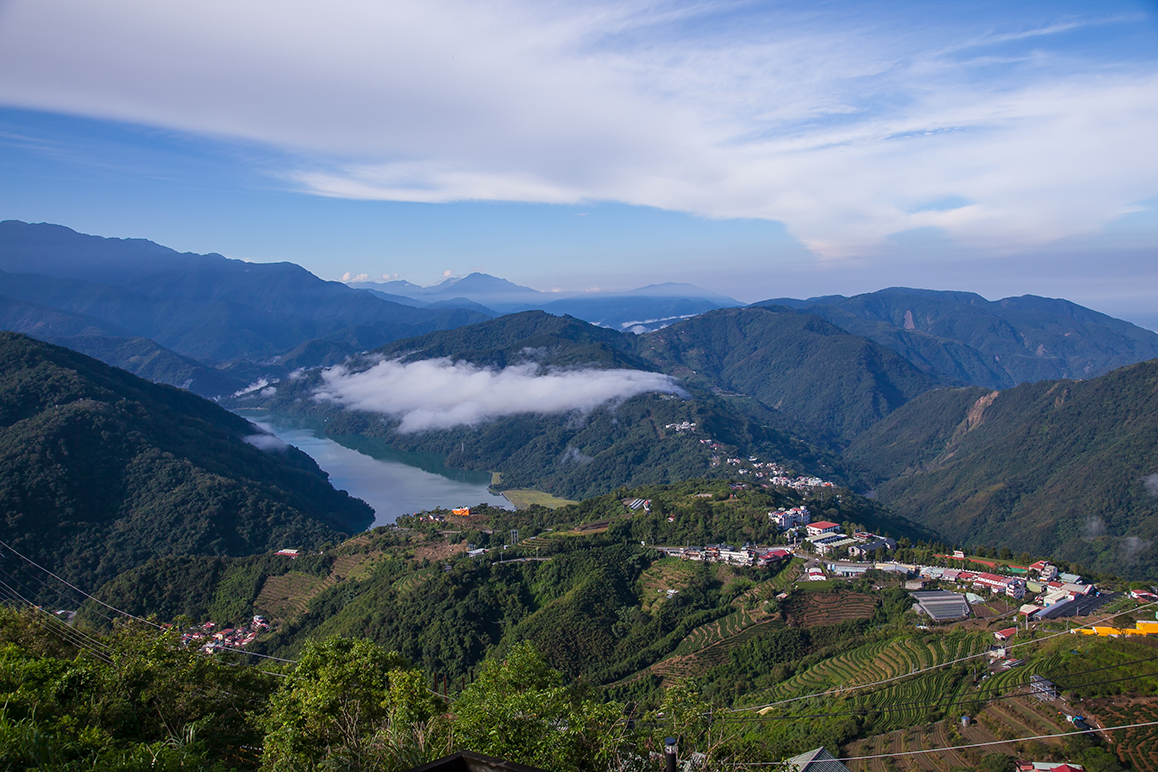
(481, 283)
(672, 289)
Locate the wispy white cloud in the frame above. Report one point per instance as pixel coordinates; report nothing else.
(840, 121)
(441, 394)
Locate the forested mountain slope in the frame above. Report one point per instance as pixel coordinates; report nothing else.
(962, 337)
(835, 383)
(115, 346)
(573, 454)
(535, 336)
(101, 470)
(1067, 468)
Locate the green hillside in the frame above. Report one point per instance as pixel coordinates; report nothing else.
(834, 383)
(101, 470)
(962, 337)
(1058, 467)
(552, 341)
(746, 665)
(578, 456)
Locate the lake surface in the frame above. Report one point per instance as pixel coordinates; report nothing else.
(392, 482)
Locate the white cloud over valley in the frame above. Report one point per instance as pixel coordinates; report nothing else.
(441, 394)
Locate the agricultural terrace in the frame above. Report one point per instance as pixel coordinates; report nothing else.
(830, 604)
(999, 720)
(523, 498)
(917, 700)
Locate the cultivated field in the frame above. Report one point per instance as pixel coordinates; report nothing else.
(813, 609)
(525, 497)
(1136, 747)
(1000, 720)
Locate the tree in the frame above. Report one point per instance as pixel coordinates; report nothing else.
(352, 703)
(519, 710)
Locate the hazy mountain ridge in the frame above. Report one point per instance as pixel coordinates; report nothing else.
(101, 470)
(206, 307)
(1060, 467)
(638, 310)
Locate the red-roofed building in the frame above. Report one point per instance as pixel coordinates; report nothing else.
(824, 526)
(773, 556)
(1006, 634)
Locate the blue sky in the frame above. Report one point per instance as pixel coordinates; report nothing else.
(756, 149)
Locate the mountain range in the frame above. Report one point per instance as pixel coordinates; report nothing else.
(203, 307)
(964, 338)
(637, 310)
(872, 391)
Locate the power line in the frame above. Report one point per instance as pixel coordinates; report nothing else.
(975, 699)
(965, 747)
(14, 594)
(68, 634)
(57, 590)
(49, 587)
(74, 587)
(125, 613)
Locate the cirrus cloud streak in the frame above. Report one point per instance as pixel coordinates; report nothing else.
(441, 394)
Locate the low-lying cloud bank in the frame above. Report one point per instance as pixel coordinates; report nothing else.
(441, 394)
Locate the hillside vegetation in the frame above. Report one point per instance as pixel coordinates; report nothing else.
(101, 470)
(1057, 467)
(571, 455)
(742, 664)
(834, 383)
(964, 338)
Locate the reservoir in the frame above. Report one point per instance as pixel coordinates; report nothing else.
(392, 482)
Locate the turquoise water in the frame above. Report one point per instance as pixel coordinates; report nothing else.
(392, 482)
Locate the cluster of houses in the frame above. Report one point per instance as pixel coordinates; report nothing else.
(208, 638)
(826, 538)
(776, 475)
(723, 553)
(1055, 588)
(684, 426)
(1061, 595)
(790, 518)
(995, 584)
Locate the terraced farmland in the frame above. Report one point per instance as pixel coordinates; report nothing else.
(411, 582)
(1136, 747)
(876, 662)
(813, 609)
(284, 597)
(1012, 717)
(720, 630)
(682, 666)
